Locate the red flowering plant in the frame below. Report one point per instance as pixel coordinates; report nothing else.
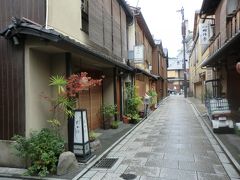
(67, 94)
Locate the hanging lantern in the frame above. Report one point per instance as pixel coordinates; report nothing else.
(238, 67)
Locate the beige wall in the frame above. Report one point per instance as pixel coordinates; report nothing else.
(37, 72)
(66, 18)
(39, 67)
(199, 91)
(108, 87)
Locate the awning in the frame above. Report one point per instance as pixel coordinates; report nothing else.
(25, 27)
(139, 70)
(230, 45)
(209, 7)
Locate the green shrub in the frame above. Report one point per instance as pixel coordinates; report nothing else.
(135, 118)
(109, 110)
(92, 136)
(42, 149)
(133, 100)
(114, 124)
(153, 95)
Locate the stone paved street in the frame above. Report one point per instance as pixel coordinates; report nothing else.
(171, 144)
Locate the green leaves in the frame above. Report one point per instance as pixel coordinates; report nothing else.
(109, 110)
(58, 81)
(42, 148)
(133, 100)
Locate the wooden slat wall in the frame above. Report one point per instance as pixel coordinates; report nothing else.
(107, 16)
(96, 103)
(12, 96)
(116, 28)
(96, 21)
(92, 101)
(124, 33)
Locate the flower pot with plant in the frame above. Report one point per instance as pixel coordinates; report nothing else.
(125, 119)
(108, 114)
(153, 100)
(114, 124)
(133, 101)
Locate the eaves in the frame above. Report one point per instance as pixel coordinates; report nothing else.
(23, 27)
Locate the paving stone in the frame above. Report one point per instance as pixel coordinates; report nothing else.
(121, 168)
(111, 176)
(90, 174)
(162, 163)
(206, 158)
(197, 166)
(143, 171)
(98, 176)
(219, 169)
(151, 178)
(142, 154)
(205, 176)
(178, 174)
(179, 157)
(134, 161)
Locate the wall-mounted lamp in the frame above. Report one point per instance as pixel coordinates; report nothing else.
(15, 40)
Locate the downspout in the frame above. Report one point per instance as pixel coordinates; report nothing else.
(46, 23)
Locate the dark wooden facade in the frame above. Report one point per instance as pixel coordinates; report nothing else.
(12, 91)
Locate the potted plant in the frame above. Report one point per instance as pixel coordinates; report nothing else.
(153, 100)
(115, 124)
(135, 118)
(125, 119)
(133, 101)
(92, 136)
(108, 113)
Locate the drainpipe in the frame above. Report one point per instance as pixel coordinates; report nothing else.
(46, 23)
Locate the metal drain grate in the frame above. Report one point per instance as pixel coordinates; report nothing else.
(106, 163)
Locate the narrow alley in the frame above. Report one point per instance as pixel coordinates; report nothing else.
(172, 143)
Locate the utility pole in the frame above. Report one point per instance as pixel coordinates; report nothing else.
(184, 52)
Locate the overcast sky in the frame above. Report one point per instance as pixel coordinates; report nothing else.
(164, 21)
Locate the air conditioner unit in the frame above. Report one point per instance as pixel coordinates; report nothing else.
(84, 6)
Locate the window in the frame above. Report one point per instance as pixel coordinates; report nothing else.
(84, 9)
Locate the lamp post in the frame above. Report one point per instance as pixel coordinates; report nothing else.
(184, 53)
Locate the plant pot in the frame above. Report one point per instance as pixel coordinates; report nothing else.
(125, 119)
(107, 122)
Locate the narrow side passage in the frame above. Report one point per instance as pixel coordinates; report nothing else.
(170, 144)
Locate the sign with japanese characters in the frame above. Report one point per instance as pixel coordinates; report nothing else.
(139, 54)
(81, 139)
(204, 33)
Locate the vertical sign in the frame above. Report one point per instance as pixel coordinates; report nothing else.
(139, 54)
(204, 33)
(81, 145)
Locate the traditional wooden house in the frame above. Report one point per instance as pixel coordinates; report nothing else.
(41, 38)
(224, 48)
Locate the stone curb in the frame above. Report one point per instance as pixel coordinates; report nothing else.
(225, 150)
(113, 145)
